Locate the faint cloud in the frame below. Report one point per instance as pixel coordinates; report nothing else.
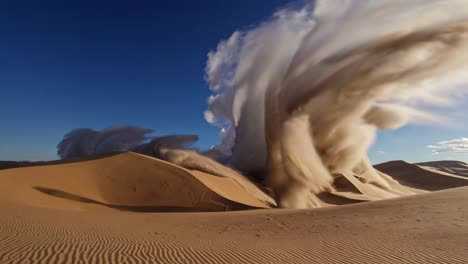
(380, 152)
(458, 145)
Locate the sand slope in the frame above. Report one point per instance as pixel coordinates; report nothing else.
(428, 228)
(427, 176)
(126, 181)
(448, 166)
(103, 211)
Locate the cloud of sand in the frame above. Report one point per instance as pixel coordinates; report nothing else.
(239, 72)
(303, 93)
(83, 142)
(457, 145)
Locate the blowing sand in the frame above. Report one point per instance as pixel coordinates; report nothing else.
(108, 210)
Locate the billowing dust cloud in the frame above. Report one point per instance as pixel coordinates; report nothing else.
(83, 142)
(303, 94)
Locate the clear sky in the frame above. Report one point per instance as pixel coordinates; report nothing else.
(82, 63)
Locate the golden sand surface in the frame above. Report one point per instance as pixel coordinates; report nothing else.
(129, 208)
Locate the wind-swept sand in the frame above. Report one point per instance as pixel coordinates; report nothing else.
(103, 211)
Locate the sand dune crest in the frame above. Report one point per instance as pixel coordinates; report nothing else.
(129, 180)
(422, 176)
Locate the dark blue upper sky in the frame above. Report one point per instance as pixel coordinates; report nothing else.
(68, 64)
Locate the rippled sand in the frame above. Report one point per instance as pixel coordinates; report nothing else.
(109, 211)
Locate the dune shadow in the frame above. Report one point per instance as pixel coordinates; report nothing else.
(129, 208)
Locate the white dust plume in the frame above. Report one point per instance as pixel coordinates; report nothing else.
(302, 94)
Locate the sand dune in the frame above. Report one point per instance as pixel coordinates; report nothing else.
(18, 164)
(137, 182)
(427, 176)
(128, 181)
(107, 210)
(449, 166)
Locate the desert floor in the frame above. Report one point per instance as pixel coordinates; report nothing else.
(109, 210)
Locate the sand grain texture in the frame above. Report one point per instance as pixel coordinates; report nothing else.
(75, 213)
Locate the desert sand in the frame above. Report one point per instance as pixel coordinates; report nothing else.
(427, 176)
(130, 208)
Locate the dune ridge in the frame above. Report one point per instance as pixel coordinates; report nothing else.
(421, 176)
(457, 168)
(98, 170)
(130, 179)
(116, 170)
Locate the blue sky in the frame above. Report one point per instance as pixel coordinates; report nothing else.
(69, 64)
